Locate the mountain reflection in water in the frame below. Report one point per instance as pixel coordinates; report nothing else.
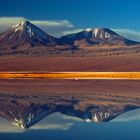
(25, 111)
(67, 128)
(55, 121)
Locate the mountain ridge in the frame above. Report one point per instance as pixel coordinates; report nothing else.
(26, 38)
(97, 36)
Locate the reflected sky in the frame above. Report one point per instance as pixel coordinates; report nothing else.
(133, 115)
(66, 128)
(6, 127)
(54, 121)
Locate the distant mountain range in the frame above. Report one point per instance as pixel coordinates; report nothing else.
(25, 36)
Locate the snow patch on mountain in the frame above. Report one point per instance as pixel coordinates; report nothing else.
(30, 29)
(96, 32)
(19, 26)
(88, 29)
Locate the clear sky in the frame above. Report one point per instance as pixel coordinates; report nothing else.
(121, 15)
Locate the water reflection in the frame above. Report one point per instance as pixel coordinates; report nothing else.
(64, 127)
(133, 115)
(25, 111)
(65, 117)
(54, 121)
(7, 127)
(58, 121)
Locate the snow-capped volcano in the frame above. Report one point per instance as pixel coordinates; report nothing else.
(33, 34)
(97, 36)
(26, 34)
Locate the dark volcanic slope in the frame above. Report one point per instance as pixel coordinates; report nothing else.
(99, 36)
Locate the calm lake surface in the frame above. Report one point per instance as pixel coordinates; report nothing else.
(62, 127)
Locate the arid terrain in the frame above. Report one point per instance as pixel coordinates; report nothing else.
(75, 87)
(72, 62)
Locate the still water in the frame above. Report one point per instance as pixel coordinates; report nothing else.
(62, 127)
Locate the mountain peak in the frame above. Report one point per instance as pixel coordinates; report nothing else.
(88, 29)
(101, 33)
(26, 27)
(99, 30)
(25, 33)
(21, 25)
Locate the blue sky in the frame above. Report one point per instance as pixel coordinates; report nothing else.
(120, 15)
